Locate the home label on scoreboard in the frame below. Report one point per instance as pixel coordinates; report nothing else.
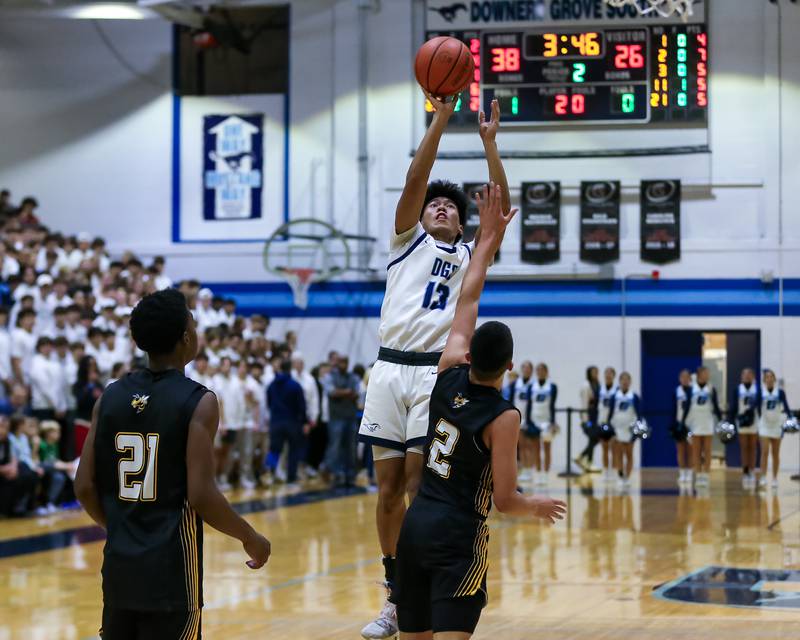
(621, 71)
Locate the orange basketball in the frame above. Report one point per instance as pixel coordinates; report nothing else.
(444, 66)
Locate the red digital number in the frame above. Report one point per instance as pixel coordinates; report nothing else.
(629, 56)
(701, 69)
(474, 45)
(702, 85)
(703, 54)
(566, 105)
(702, 38)
(505, 59)
(702, 99)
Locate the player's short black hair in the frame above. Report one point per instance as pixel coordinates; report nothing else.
(159, 320)
(491, 350)
(451, 191)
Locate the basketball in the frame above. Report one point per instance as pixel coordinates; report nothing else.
(444, 66)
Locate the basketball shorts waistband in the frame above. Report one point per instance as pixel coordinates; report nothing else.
(409, 358)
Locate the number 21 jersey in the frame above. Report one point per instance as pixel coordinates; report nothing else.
(423, 283)
(152, 560)
(458, 469)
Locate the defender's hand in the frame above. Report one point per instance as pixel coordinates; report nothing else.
(488, 130)
(493, 221)
(549, 509)
(259, 550)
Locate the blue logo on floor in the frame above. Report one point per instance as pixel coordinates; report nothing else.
(736, 587)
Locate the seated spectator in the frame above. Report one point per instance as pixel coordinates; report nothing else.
(25, 215)
(17, 401)
(23, 345)
(88, 388)
(6, 208)
(58, 473)
(16, 490)
(27, 467)
(47, 400)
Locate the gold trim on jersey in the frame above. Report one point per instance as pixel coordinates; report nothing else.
(192, 628)
(473, 580)
(191, 558)
(484, 496)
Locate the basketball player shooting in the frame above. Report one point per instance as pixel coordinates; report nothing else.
(470, 461)
(426, 267)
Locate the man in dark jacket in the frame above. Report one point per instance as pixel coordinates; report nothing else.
(288, 423)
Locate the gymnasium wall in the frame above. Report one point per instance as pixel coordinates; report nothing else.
(89, 131)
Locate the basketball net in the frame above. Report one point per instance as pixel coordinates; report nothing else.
(300, 282)
(664, 8)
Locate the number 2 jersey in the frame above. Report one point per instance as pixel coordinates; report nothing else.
(153, 556)
(423, 282)
(458, 469)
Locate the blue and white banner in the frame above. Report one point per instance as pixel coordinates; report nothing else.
(449, 15)
(233, 166)
(230, 156)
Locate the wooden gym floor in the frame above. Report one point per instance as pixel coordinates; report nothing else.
(653, 564)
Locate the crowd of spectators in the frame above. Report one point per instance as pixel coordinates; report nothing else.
(64, 337)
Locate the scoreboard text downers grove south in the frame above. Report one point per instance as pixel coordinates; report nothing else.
(546, 71)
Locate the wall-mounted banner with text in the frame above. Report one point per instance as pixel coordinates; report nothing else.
(661, 221)
(600, 221)
(541, 222)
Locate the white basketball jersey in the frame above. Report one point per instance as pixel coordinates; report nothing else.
(624, 410)
(541, 398)
(422, 288)
(701, 409)
(604, 402)
(773, 412)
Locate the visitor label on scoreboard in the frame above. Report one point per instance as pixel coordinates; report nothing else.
(600, 221)
(660, 221)
(473, 220)
(541, 222)
(233, 166)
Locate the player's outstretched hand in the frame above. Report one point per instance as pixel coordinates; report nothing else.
(549, 509)
(488, 130)
(259, 550)
(490, 207)
(442, 106)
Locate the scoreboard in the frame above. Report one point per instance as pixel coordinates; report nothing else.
(644, 74)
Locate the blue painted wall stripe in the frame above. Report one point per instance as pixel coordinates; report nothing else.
(644, 298)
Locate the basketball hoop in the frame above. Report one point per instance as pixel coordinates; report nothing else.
(300, 280)
(306, 251)
(664, 8)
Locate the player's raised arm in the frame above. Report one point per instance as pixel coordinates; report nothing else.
(203, 494)
(85, 482)
(493, 222)
(413, 196)
(497, 173)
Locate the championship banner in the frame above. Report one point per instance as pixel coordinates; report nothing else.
(600, 221)
(541, 222)
(233, 166)
(660, 221)
(473, 220)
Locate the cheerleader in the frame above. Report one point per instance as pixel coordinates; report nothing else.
(679, 431)
(747, 425)
(519, 393)
(605, 398)
(773, 410)
(589, 396)
(700, 415)
(542, 425)
(625, 410)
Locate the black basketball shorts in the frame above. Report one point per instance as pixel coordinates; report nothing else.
(126, 624)
(440, 581)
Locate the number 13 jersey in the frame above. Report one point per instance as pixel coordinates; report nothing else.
(153, 557)
(458, 469)
(423, 283)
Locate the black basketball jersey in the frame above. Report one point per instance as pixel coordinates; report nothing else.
(153, 557)
(458, 470)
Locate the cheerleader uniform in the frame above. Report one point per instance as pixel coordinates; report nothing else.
(773, 412)
(678, 431)
(747, 405)
(701, 410)
(519, 394)
(604, 402)
(625, 410)
(542, 409)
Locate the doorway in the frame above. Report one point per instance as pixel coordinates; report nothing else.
(664, 354)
